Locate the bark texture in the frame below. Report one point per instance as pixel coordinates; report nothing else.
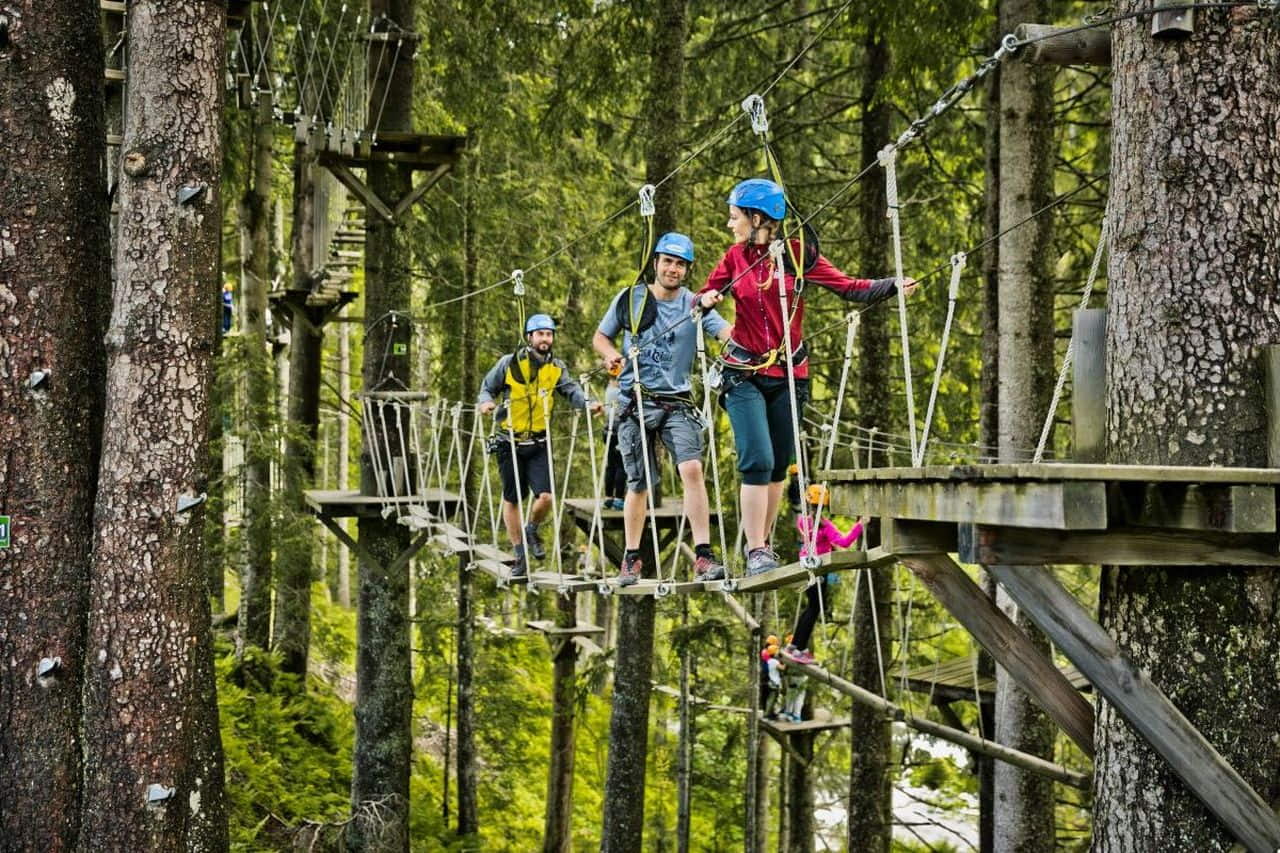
(869, 826)
(384, 689)
(1023, 803)
(54, 285)
(1194, 293)
(150, 714)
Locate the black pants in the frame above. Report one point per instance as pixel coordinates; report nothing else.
(615, 476)
(813, 608)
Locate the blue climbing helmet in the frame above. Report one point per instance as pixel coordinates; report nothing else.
(676, 245)
(539, 322)
(760, 194)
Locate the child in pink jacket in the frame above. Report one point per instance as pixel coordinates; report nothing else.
(828, 538)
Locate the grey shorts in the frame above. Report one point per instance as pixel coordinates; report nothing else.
(680, 430)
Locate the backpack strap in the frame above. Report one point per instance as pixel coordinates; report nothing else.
(625, 308)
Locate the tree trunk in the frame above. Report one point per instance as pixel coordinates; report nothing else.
(257, 426)
(384, 689)
(291, 636)
(1194, 288)
(799, 784)
(869, 826)
(623, 828)
(558, 829)
(344, 453)
(150, 713)
(54, 286)
(989, 422)
(1023, 815)
(468, 820)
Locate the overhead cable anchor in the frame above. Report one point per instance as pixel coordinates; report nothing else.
(753, 105)
(517, 279)
(647, 207)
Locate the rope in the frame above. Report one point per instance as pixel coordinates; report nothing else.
(597, 472)
(889, 160)
(708, 418)
(1098, 252)
(875, 626)
(515, 470)
(957, 267)
(644, 454)
(551, 469)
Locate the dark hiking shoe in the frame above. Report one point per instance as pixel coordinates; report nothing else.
(534, 541)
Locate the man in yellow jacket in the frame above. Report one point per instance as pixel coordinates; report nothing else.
(529, 378)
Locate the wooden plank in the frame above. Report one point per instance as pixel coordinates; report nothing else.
(954, 680)
(1047, 505)
(1144, 705)
(1089, 371)
(784, 727)
(980, 745)
(115, 7)
(562, 583)
(500, 572)
(1011, 648)
(589, 647)
(1120, 547)
(795, 573)
(1073, 47)
(1056, 472)
(1226, 507)
(450, 544)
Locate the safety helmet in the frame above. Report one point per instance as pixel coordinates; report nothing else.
(793, 469)
(818, 494)
(760, 194)
(771, 640)
(676, 245)
(538, 322)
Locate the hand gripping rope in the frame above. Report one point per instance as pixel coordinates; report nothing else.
(889, 160)
(958, 261)
(1098, 252)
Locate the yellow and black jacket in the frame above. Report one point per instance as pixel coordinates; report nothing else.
(524, 379)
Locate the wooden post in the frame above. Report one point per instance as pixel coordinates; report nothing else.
(1271, 369)
(1081, 47)
(1089, 385)
(1034, 673)
(1144, 705)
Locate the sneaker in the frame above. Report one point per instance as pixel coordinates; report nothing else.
(630, 571)
(761, 560)
(614, 503)
(799, 655)
(535, 541)
(708, 569)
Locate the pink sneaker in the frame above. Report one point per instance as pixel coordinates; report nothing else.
(800, 655)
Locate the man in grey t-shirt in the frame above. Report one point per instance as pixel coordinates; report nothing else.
(654, 319)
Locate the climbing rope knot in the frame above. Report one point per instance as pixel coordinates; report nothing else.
(662, 590)
(753, 105)
(517, 282)
(457, 414)
(646, 200)
(958, 261)
(888, 158)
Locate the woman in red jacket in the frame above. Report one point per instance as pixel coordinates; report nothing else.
(754, 363)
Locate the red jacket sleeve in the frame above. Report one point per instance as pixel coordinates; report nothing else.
(824, 273)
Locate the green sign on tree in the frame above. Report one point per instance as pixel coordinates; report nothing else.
(400, 349)
(4, 531)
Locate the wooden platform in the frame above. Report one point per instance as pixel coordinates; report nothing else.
(551, 629)
(781, 728)
(794, 574)
(335, 503)
(1070, 513)
(954, 681)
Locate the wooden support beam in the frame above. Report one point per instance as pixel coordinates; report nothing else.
(358, 188)
(419, 190)
(1132, 693)
(1089, 376)
(1064, 505)
(1082, 47)
(741, 612)
(994, 631)
(980, 745)
(990, 546)
(1271, 373)
(904, 538)
(1183, 506)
